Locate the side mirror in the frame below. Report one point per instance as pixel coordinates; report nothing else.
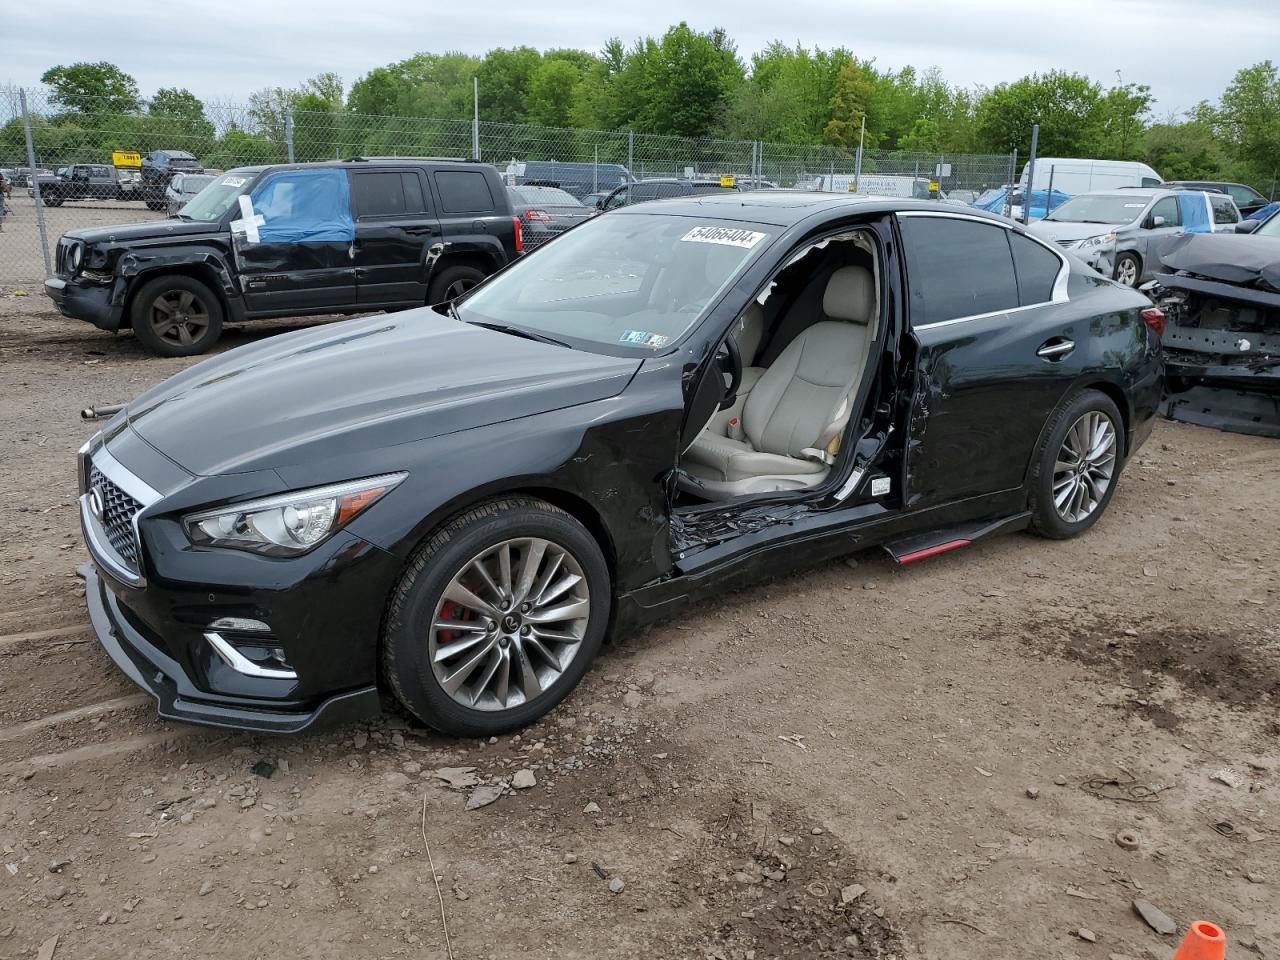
(1155, 222)
(599, 203)
(1247, 226)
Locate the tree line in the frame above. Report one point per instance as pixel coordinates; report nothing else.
(690, 84)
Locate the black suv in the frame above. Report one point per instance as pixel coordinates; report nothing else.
(1247, 199)
(161, 166)
(291, 240)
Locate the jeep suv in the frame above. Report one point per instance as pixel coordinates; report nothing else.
(291, 240)
(161, 166)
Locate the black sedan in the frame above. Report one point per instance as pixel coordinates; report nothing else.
(456, 505)
(546, 212)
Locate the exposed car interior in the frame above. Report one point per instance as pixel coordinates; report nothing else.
(804, 345)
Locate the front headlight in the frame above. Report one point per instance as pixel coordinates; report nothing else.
(75, 257)
(291, 523)
(1093, 243)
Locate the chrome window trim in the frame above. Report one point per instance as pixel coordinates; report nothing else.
(1059, 294)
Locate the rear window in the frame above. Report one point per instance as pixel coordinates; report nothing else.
(957, 268)
(464, 191)
(545, 196)
(1224, 211)
(386, 194)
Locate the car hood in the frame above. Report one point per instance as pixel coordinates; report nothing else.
(150, 230)
(360, 385)
(1238, 258)
(1059, 231)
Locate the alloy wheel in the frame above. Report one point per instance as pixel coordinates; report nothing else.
(1127, 271)
(458, 288)
(1085, 466)
(178, 317)
(509, 624)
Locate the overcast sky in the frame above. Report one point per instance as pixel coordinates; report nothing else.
(1187, 50)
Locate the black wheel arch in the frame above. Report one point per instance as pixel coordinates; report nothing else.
(210, 271)
(1111, 390)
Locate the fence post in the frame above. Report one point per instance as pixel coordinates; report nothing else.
(475, 118)
(631, 152)
(1008, 193)
(288, 133)
(35, 182)
(1031, 174)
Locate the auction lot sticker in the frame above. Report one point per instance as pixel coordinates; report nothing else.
(728, 236)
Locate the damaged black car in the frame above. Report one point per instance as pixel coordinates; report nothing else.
(455, 506)
(1221, 297)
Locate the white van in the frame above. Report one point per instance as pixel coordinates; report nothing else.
(876, 185)
(1074, 176)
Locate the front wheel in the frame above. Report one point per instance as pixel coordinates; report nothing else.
(1076, 469)
(497, 618)
(176, 316)
(51, 200)
(1127, 270)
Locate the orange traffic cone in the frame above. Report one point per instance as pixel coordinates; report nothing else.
(1204, 941)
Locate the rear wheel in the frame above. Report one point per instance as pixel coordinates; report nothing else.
(497, 618)
(176, 316)
(452, 282)
(1127, 269)
(1076, 469)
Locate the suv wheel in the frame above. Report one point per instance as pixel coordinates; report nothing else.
(176, 316)
(452, 282)
(497, 618)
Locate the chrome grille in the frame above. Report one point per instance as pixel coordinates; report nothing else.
(118, 510)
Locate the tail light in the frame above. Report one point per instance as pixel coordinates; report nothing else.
(519, 234)
(536, 216)
(1154, 318)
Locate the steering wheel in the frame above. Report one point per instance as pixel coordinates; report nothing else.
(729, 351)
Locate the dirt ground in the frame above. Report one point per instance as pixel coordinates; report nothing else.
(991, 753)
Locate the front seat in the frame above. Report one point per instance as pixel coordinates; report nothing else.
(777, 438)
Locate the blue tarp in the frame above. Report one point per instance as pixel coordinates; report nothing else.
(1197, 215)
(1263, 214)
(305, 206)
(993, 201)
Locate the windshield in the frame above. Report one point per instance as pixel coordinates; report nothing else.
(1100, 208)
(194, 184)
(633, 283)
(216, 198)
(1271, 228)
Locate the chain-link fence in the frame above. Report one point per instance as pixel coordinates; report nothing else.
(91, 168)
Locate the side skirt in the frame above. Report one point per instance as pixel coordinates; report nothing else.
(920, 546)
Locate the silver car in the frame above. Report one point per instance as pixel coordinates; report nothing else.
(1122, 233)
(182, 188)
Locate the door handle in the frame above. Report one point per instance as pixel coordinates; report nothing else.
(1056, 348)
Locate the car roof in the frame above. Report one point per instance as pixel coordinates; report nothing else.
(784, 208)
(362, 163)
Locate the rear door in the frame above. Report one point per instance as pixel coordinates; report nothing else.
(999, 345)
(395, 227)
(294, 250)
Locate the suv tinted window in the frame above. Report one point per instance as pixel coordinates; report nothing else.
(1244, 195)
(386, 194)
(1224, 211)
(957, 268)
(464, 191)
(1037, 268)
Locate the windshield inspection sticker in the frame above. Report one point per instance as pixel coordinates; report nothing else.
(643, 338)
(727, 236)
(234, 181)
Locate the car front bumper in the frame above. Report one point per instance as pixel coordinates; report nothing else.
(160, 675)
(92, 302)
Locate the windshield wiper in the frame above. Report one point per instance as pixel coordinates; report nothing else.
(514, 331)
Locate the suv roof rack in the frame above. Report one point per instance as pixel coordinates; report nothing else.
(446, 159)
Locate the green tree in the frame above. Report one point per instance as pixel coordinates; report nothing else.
(850, 102)
(1066, 105)
(92, 88)
(505, 77)
(1185, 149)
(1248, 121)
(551, 93)
(1122, 115)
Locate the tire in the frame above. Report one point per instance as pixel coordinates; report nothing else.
(1128, 270)
(196, 312)
(51, 200)
(484, 703)
(1076, 425)
(451, 282)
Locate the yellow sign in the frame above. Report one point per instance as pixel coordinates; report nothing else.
(933, 186)
(126, 158)
(728, 181)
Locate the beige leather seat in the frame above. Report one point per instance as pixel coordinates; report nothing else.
(774, 437)
(747, 334)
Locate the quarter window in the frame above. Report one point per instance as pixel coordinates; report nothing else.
(957, 268)
(1037, 268)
